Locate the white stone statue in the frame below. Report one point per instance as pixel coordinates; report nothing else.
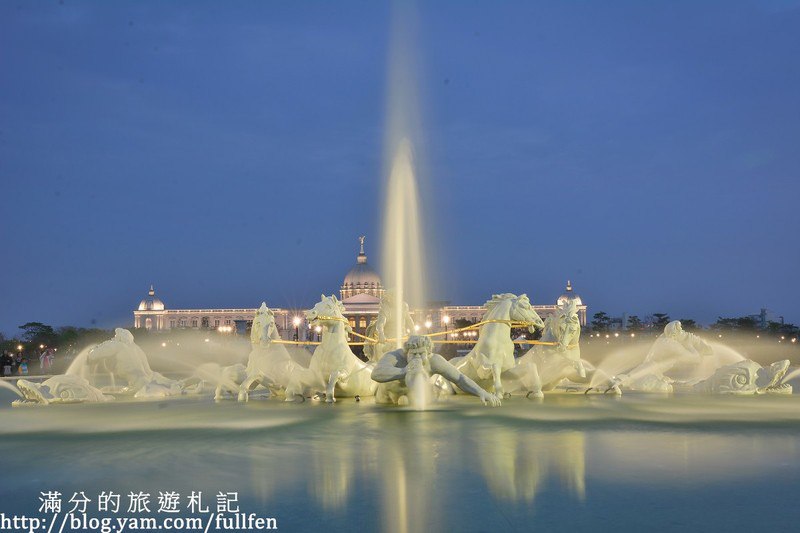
(676, 357)
(385, 327)
(544, 367)
(493, 354)
(335, 367)
(122, 359)
(415, 365)
(269, 364)
(59, 389)
(128, 364)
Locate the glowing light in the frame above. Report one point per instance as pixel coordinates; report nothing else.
(607, 335)
(616, 334)
(206, 340)
(794, 340)
(446, 319)
(416, 327)
(318, 329)
(428, 324)
(720, 335)
(296, 321)
(163, 344)
(633, 334)
(19, 347)
(41, 346)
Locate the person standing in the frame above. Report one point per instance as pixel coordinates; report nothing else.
(7, 363)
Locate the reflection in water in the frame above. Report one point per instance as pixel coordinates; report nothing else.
(462, 468)
(515, 463)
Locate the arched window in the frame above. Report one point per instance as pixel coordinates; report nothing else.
(148, 323)
(362, 322)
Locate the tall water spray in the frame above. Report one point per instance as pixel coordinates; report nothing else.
(403, 239)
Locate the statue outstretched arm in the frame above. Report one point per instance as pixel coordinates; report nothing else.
(439, 365)
(387, 370)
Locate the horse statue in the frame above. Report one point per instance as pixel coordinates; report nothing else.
(547, 366)
(334, 365)
(386, 321)
(493, 354)
(269, 364)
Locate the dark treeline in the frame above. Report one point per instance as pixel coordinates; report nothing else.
(602, 322)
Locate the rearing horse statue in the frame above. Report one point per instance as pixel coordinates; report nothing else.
(333, 362)
(494, 352)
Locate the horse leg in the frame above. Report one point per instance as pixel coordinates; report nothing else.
(535, 383)
(498, 383)
(247, 385)
(332, 381)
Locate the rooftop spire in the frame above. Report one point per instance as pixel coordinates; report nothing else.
(569, 286)
(362, 257)
(152, 291)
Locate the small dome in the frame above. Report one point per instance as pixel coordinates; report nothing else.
(151, 303)
(569, 295)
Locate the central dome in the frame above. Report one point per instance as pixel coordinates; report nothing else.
(361, 279)
(151, 303)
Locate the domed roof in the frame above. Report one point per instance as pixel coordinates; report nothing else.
(569, 295)
(362, 276)
(151, 303)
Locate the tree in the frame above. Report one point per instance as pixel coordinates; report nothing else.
(742, 323)
(689, 325)
(601, 321)
(634, 323)
(660, 320)
(38, 333)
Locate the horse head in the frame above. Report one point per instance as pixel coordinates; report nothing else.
(264, 327)
(327, 312)
(522, 311)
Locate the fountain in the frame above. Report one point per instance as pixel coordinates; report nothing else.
(566, 461)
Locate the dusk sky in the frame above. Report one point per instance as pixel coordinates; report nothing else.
(232, 152)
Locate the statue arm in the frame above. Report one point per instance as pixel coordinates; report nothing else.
(387, 370)
(439, 365)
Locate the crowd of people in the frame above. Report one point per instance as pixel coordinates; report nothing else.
(19, 364)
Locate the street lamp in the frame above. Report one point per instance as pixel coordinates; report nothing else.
(446, 321)
(296, 321)
(318, 330)
(428, 324)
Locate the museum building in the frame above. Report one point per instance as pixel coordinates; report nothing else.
(360, 293)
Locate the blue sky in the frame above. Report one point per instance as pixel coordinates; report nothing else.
(232, 152)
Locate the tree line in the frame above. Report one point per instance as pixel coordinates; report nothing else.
(602, 322)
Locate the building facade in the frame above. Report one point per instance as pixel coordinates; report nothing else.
(360, 292)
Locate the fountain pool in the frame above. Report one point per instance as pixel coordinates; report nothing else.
(568, 462)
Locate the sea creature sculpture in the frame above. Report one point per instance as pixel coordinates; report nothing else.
(673, 361)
